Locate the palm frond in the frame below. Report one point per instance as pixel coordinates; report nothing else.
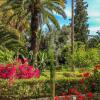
(9, 37)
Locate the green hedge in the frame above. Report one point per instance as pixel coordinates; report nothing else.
(27, 88)
(23, 88)
(31, 88)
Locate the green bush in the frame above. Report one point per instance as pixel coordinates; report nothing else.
(83, 58)
(23, 89)
(94, 56)
(6, 56)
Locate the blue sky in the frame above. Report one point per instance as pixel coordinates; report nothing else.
(93, 14)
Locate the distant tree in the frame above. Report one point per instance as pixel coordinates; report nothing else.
(60, 39)
(94, 41)
(81, 21)
(98, 32)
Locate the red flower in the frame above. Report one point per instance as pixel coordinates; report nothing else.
(8, 65)
(81, 97)
(78, 93)
(25, 60)
(56, 98)
(90, 95)
(1, 65)
(72, 91)
(67, 97)
(37, 73)
(81, 81)
(87, 74)
(97, 67)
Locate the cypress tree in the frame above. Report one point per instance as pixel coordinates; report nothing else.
(81, 21)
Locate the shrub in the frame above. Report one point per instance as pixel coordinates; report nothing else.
(88, 58)
(6, 56)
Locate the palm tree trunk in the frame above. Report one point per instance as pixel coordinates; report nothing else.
(72, 36)
(34, 29)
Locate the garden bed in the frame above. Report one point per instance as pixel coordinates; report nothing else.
(34, 88)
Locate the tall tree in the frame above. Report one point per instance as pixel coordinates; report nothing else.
(37, 12)
(81, 19)
(72, 34)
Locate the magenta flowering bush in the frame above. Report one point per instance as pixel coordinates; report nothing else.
(21, 72)
(7, 72)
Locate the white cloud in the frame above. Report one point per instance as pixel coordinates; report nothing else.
(93, 30)
(94, 13)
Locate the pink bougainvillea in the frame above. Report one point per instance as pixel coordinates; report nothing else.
(22, 72)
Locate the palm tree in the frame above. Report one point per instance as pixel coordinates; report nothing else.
(9, 38)
(38, 12)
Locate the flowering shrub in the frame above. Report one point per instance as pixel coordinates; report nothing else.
(84, 88)
(22, 72)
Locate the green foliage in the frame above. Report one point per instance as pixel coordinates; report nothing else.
(9, 38)
(94, 41)
(51, 57)
(23, 89)
(6, 56)
(58, 40)
(65, 57)
(42, 59)
(88, 58)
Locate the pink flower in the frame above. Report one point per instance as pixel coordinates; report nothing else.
(90, 95)
(8, 65)
(25, 60)
(1, 65)
(23, 71)
(56, 98)
(37, 73)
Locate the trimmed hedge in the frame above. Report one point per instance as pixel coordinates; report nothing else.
(32, 88)
(27, 88)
